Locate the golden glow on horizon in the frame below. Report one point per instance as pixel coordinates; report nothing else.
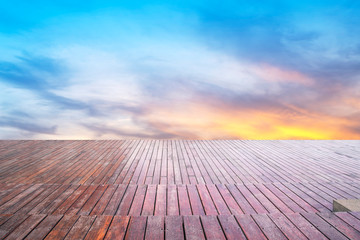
(197, 120)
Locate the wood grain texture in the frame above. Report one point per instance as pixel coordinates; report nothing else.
(177, 189)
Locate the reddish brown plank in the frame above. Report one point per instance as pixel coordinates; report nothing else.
(57, 201)
(193, 228)
(127, 200)
(104, 200)
(231, 227)
(212, 228)
(62, 228)
(305, 227)
(340, 225)
(160, 205)
(11, 223)
(136, 228)
(118, 227)
(44, 227)
(115, 200)
(184, 203)
(270, 230)
(286, 226)
(25, 227)
(250, 228)
(149, 201)
(195, 202)
(93, 199)
(349, 219)
(218, 200)
(137, 204)
(323, 226)
(155, 228)
(253, 201)
(174, 227)
(242, 202)
(80, 228)
(230, 201)
(81, 200)
(99, 228)
(69, 201)
(172, 201)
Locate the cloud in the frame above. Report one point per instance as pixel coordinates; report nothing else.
(27, 126)
(189, 70)
(102, 130)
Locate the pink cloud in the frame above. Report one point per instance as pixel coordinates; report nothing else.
(275, 74)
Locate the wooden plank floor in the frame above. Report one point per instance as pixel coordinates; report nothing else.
(177, 189)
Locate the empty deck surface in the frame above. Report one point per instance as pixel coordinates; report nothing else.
(177, 189)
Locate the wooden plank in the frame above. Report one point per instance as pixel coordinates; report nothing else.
(270, 207)
(192, 227)
(307, 196)
(49, 200)
(305, 227)
(149, 201)
(6, 207)
(92, 200)
(250, 228)
(349, 219)
(296, 198)
(270, 230)
(172, 200)
(4, 218)
(26, 227)
(11, 193)
(218, 200)
(137, 204)
(136, 228)
(195, 202)
(13, 222)
(104, 200)
(62, 227)
(206, 200)
(286, 226)
(41, 230)
(184, 202)
(26, 208)
(231, 228)
(99, 228)
(230, 201)
(285, 199)
(174, 227)
(340, 225)
(154, 172)
(212, 227)
(328, 230)
(115, 200)
(70, 200)
(118, 227)
(155, 228)
(280, 205)
(160, 205)
(127, 200)
(80, 228)
(254, 202)
(81, 200)
(240, 199)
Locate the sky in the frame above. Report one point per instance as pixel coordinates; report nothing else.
(179, 69)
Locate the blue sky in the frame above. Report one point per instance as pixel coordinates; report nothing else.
(180, 69)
